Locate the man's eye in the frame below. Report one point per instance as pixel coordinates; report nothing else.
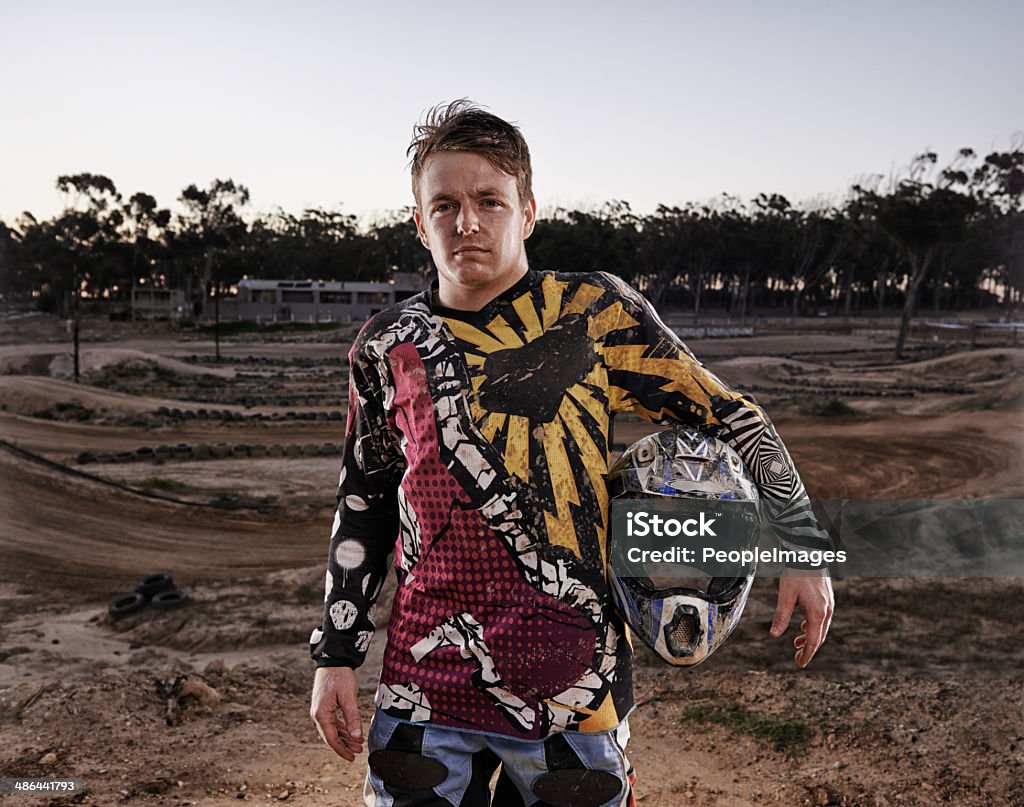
(443, 208)
(492, 203)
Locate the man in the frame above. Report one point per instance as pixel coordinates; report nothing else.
(477, 443)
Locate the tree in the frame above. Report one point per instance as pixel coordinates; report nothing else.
(146, 227)
(998, 184)
(212, 229)
(923, 216)
(393, 246)
(88, 230)
(212, 225)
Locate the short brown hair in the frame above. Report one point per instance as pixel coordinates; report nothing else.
(464, 126)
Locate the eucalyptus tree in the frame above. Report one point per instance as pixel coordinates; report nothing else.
(661, 243)
(87, 229)
(998, 184)
(210, 235)
(819, 239)
(145, 226)
(924, 215)
(599, 239)
(391, 245)
(703, 250)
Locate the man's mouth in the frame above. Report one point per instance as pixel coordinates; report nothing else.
(469, 250)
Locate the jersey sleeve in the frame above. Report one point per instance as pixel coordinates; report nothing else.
(651, 373)
(365, 522)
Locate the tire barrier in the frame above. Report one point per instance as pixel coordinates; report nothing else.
(154, 584)
(266, 361)
(226, 415)
(183, 452)
(157, 590)
(169, 599)
(849, 392)
(124, 604)
(902, 390)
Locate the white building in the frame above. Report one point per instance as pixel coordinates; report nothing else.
(313, 300)
(151, 302)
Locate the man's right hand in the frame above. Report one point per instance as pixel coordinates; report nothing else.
(335, 688)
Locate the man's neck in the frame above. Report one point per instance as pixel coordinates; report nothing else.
(459, 298)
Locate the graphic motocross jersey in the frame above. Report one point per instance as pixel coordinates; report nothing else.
(476, 451)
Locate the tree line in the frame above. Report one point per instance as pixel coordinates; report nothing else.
(944, 235)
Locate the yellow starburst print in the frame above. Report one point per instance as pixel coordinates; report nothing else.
(539, 394)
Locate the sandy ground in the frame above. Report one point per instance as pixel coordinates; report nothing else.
(917, 698)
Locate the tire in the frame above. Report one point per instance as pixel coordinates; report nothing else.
(169, 599)
(150, 586)
(125, 604)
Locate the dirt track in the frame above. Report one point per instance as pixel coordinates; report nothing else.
(916, 699)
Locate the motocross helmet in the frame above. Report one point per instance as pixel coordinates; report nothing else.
(683, 620)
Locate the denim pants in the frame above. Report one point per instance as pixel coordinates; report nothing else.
(420, 765)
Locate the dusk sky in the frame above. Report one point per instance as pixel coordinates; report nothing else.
(312, 104)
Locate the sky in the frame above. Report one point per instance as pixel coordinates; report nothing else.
(311, 104)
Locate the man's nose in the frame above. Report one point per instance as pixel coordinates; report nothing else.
(467, 221)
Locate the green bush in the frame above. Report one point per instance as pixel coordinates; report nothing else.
(789, 735)
(824, 406)
(164, 484)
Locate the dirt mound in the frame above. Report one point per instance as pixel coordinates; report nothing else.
(91, 537)
(27, 395)
(1003, 394)
(974, 366)
(60, 364)
(759, 371)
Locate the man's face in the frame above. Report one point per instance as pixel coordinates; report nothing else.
(470, 217)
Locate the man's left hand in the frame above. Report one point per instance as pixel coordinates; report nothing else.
(813, 595)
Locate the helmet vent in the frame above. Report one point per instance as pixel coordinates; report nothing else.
(683, 634)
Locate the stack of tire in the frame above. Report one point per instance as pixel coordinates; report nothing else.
(157, 590)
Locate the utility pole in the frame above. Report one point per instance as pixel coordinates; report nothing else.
(75, 312)
(216, 304)
(216, 319)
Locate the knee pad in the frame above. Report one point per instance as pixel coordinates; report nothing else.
(576, 787)
(407, 770)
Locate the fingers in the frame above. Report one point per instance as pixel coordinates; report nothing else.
(351, 730)
(329, 734)
(813, 595)
(819, 618)
(801, 640)
(332, 732)
(334, 689)
(784, 609)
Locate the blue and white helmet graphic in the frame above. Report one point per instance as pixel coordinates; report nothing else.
(683, 624)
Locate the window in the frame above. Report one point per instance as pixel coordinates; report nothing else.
(296, 296)
(336, 297)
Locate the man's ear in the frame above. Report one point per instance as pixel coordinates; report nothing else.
(529, 217)
(419, 227)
